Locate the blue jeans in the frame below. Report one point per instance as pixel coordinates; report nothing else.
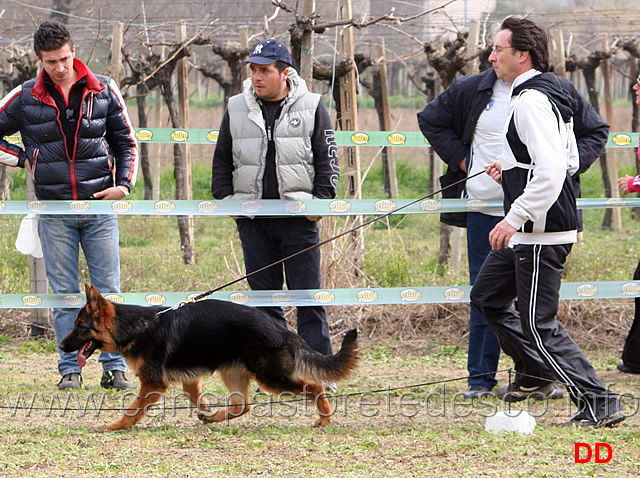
(61, 237)
(484, 347)
(267, 240)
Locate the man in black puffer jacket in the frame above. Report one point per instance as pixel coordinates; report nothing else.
(79, 144)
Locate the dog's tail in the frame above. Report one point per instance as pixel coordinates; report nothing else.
(324, 369)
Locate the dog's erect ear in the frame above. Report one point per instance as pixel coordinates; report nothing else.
(91, 292)
(93, 298)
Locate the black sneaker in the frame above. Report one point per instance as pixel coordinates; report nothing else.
(512, 392)
(70, 381)
(624, 369)
(608, 421)
(115, 379)
(475, 391)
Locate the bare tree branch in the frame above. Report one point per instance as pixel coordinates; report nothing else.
(307, 22)
(196, 39)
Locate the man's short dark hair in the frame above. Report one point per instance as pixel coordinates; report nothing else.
(527, 35)
(281, 66)
(51, 36)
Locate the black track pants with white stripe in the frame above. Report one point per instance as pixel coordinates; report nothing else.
(530, 333)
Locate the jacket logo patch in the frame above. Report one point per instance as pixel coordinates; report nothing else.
(295, 122)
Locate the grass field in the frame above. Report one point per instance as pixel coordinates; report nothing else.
(399, 415)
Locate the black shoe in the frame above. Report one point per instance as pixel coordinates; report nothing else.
(70, 381)
(608, 421)
(476, 391)
(115, 379)
(557, 392)
(512, 392)
(624, 369)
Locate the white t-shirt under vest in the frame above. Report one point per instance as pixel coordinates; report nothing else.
(486, 146)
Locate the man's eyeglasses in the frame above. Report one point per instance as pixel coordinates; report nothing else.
(498, 49)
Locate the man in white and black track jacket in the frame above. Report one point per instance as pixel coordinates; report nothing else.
(530, 245)
(536, 181)
(464, 125)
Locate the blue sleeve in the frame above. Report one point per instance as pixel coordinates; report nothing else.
(440, 123)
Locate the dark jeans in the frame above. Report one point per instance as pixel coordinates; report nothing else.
(267, 240)
(484, 348)
(631, 351)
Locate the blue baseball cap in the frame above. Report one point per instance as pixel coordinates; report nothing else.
(269, 51)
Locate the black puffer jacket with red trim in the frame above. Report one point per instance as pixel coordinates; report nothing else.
(103, 153)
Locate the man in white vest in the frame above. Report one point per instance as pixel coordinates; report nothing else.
(276, 141)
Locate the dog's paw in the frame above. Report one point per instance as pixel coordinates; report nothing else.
(119, 425)
(322, 422)
(206, 417)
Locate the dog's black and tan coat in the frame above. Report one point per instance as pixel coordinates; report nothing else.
(181, 345)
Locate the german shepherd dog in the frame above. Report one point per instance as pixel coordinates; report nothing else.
(181, 345)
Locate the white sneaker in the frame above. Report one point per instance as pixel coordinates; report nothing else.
(331, 386)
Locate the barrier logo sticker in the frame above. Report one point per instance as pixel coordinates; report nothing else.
(122, 206)
(115, 298)
(144, 135)
(454, 293)
(324, 297)
(239, 298)
(410, 295)
(212, 136)
(155, 299)
(164, 206)
(360, 138)
(71, 300)
(179, 136)
(367, 296)
(586, 290)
